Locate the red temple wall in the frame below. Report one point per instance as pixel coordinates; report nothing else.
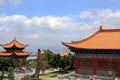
(98, 64)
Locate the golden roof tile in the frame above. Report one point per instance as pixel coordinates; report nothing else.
(6, 53)
(102, 39)
(66, 53)
(42, 51)
(14, 43)
(23, 53)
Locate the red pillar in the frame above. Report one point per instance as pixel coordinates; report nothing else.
(117, 72)
(76, 65)
(118, 67)
(95, 65)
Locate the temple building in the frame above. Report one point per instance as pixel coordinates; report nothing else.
(15, 49)
(66, 53)
(99, 54)
(42, 52)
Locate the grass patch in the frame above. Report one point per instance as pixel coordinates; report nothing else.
(49, 75)
(54, 74)
(61, 72)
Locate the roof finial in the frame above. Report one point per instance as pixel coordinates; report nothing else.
(14, 38)
(100, 28)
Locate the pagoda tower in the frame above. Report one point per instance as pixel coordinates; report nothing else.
(15, 49)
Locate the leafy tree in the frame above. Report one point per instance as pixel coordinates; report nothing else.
(63, 63)
(49, 54)
(70, 59)
(18, 63)
(55, 61)
(50, 59)
(5, 64)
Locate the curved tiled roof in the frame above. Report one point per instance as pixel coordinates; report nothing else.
(102, 39)
(5, 53)
(16, 53)
(23, 53)
(13, 43)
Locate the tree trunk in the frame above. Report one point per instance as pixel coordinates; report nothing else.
(37, 66)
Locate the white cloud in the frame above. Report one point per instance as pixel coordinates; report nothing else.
(106, 17)
(2, 2)
(51, 30)
(57, 22)
(86, 14)
(31, 36)
(52, 22)
(45, 30)
(14, 3)
(10, 3)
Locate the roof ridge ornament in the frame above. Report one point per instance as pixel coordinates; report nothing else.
(100, 28)
(14, 38)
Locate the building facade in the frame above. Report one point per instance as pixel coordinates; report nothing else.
(98, 54)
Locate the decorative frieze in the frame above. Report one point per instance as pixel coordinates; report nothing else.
(112, 56)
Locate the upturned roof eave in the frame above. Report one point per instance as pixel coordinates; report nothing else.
(13, 43)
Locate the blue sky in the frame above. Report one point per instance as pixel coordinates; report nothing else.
(45, 23)
(32, 8)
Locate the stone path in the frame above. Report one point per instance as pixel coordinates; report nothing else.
(70, 76)
(19, 76)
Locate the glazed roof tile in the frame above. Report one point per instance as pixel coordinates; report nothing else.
(5, 53)
(42, 51)
(23, 53)
(102, 39)
(16, 53)
(14, 43)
